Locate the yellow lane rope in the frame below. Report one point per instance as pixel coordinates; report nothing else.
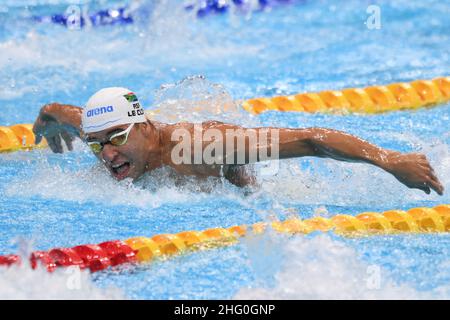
(18, 137)
(370, 100)
(98, 257)
(416, 220)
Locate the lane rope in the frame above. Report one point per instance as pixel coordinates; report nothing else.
(96, 257)
(77, 17)
(369, 100)
(18, 137)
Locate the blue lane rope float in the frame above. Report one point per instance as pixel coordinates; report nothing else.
(204, 8)
(120, 16)
(126, 15)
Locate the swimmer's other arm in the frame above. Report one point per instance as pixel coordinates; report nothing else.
(58, 121)
(411, 169)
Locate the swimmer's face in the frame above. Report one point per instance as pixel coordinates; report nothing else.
(123, 161)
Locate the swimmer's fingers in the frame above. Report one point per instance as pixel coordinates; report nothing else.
(67, 139)
(429, 185)
(37, 138)
(425, 189)
(46, 125)
(38, 130)
(435, 184)
(59, 148)
(54, 143)
(415, 171)
(53, 133)
(44, 128)
(432, 180)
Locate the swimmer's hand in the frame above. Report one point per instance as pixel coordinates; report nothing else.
(414, 171)
(57, 122)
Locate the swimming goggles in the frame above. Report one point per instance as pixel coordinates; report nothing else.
(117, 139)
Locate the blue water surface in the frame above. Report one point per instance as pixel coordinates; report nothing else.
(65, 200)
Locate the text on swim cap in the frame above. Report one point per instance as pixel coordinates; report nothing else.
(138, 111)
(99, 110)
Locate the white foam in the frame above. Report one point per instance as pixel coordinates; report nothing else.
(22, 282)
(161, 186)
(92, 184)
(323, 268)
(195, 99)
(323, 182)
(328, 181)
(143, 47)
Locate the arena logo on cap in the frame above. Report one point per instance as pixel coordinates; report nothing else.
(99, 110)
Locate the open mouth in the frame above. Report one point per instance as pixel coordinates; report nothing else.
(120, 171)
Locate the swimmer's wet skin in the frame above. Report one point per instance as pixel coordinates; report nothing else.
(115, 127)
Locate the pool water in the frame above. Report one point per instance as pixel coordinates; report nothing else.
(175, 61)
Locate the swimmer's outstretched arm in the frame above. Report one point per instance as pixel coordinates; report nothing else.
(411, 169)
(58, 121)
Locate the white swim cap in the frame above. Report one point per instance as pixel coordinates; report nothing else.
(111, 107)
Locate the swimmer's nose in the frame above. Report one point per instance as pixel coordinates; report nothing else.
(109, 152)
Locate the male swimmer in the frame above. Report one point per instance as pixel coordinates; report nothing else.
(116, 129)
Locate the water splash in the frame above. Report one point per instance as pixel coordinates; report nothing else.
(195, 99)
(324, 181)
(321, 267)
(83, 180)
(315, 182)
